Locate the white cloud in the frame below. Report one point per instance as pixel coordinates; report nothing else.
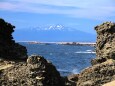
(93, 9)
(7, 6)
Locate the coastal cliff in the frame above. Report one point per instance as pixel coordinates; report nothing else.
(105, 45)
(103, 66)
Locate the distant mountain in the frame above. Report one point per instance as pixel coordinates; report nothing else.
(53, 33)
(51, 27)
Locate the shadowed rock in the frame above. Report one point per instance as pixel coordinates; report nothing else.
(8, 48)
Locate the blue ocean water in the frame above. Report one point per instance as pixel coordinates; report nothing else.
(68, 59)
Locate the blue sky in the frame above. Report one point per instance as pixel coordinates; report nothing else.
(79, 14)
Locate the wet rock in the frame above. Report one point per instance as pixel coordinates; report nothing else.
(8, 48)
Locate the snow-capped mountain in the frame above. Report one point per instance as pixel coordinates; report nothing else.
(53, 33)
(52, 27)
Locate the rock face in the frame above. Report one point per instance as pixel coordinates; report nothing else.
(105, 45)
(8, 48)
(35, 72)
(103, 66)
(98, 74)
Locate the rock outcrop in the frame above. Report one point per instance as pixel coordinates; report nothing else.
(37, 71)
(98, 74)
(8, 48)
(16, 69)
(103, 66)
(105, 45)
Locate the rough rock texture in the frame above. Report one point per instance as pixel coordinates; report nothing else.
(71, 80)
(35, 72)
(110, 84)
(98, 74)
(103, 66)
(105, 45)
(8, 48)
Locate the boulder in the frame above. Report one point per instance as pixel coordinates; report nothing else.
(97, 75)
(37, 71)
(8, 48)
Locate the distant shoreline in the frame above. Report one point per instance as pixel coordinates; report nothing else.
(60, 43)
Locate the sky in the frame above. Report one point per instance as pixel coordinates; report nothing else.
(81, 15)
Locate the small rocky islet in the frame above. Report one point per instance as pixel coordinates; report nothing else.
(18, 69)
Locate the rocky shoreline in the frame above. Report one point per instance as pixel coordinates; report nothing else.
(18, 69)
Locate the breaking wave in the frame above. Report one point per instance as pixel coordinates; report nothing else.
(87, 51)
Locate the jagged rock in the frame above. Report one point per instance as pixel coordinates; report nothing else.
(8, 48)
(37, 71)
(97, 74)
(105, 45)
(103, 66)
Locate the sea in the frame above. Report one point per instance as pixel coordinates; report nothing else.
(68, 59)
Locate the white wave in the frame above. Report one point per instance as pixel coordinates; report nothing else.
(51, 53)
(66, 53)
(88, 50)
(62, 70)
(85, 52)
(75, 71)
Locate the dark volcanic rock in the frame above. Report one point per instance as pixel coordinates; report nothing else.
(37, 71)
(8, 48)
